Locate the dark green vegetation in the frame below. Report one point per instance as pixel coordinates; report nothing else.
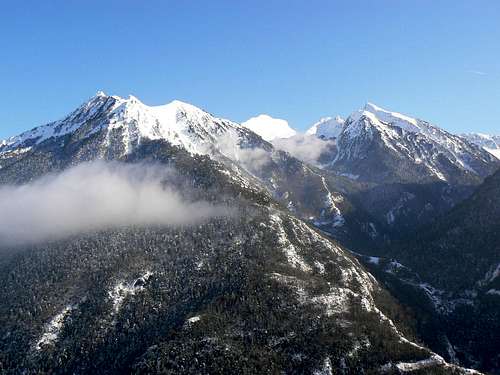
(457, 250)
(451, 278)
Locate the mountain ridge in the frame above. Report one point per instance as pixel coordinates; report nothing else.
(490, 143)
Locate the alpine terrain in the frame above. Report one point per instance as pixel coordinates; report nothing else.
(490, 143)
(249, 286)
(406, 171)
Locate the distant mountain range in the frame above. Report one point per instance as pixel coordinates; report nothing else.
(394, 142)
(274, 287)
(406, 171)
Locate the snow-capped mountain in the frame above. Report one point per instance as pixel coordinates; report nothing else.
(380, 145)
(490, 143)
(172, 298)
(405, 171)
(129, 121)
(327, 127)
(269, 128)
(111, 127)
(236, 293)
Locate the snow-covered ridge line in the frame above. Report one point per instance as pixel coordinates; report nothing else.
(433, 360)
(336, 301)
(66, 125)
(411, 139)
(179, 123)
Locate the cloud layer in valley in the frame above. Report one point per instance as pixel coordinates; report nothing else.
(251, 158)
(94, 196)
(307, 148)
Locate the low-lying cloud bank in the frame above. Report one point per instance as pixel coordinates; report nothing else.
(307, 148)
(252, 159)
(95, 196)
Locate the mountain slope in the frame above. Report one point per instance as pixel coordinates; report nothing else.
(397, 148)
(258, 291)
(464, 244)
(456, 263)
(405, 171)
(490, 143)
(110, 127)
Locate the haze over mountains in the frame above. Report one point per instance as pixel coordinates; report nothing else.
(248, 262)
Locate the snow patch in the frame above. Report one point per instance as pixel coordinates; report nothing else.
(494, 152)
(293, 258)
(122, 290)
(53, 328)
(194, 319)
(493, 292)
(327, 368)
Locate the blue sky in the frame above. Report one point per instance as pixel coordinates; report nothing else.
(297, 60)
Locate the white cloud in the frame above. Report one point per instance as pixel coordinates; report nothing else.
(95, 196)
(477, 72)
(251, 158)
(307, 148)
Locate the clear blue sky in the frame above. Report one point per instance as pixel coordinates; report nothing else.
(298, 60)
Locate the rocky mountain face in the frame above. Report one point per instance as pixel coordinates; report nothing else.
(407, 171)
(432, 245)
(467, 234)
(401, 149)
(256, 291)
(490, 143)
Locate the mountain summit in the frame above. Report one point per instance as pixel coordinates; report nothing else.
(127, 122)
(380, 145)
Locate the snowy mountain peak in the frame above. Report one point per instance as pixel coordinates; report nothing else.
(406, 138)
(371, 106)
(389, 116)
(181, 106)
(380, 117)
(269, 128)
(179, 123)
(133, 99)
(327, 127)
